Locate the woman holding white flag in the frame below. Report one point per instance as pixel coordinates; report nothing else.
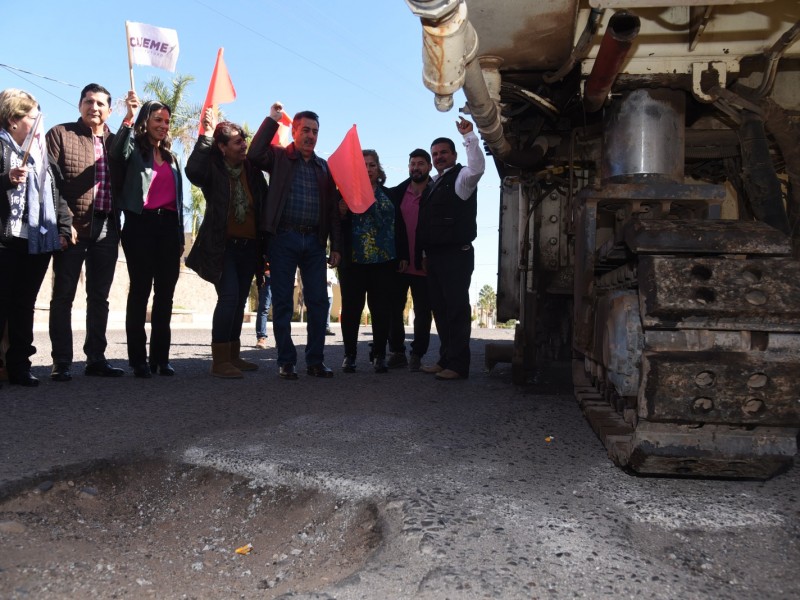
(151, 198)
(34, 223)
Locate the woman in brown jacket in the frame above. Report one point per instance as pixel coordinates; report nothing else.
(228, 250)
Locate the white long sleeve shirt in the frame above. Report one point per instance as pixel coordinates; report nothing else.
(471, 173)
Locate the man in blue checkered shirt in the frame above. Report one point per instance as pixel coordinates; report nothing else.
(302, 217)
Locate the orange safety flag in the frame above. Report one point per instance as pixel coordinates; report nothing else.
(220, 90)
(283, 136)
(350, 173)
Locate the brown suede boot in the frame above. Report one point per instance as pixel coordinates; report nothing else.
(237, 362)
(221, 362)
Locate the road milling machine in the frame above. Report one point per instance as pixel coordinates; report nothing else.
(649, 154)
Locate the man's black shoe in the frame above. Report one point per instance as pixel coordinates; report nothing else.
(319, 370)
(287, 371)
(397, 359)
(164, 369)
(102, 368)
(142, 371)
(329, 331)
(24, 378)
(380, 365)
(61, 372)
(349, 363)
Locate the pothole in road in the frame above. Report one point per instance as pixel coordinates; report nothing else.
(163, 530)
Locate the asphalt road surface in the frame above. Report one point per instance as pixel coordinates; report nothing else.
(478, 489)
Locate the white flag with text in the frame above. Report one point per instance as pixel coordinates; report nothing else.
(152, 46)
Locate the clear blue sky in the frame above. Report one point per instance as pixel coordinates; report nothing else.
(351, 62)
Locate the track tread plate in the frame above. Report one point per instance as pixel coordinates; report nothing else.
(689, 451)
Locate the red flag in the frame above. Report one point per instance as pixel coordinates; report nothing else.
(282, 137)
(220, 90)
(350, 173)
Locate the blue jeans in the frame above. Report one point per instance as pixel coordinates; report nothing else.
(289, 250)
(262, 312)
(233, 289)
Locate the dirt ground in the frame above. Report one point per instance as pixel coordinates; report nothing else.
(160, 530)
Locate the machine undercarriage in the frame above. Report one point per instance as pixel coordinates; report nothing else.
(649, 215)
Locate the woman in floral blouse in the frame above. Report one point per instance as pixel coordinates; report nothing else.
(369, 261)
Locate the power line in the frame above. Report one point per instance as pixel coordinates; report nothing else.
(289, 50)
(16, 71)
(38, 75)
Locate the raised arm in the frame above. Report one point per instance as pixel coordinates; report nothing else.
(467, 181)
(260, 153)
(198, 166)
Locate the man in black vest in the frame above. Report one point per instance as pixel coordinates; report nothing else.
(446, 228)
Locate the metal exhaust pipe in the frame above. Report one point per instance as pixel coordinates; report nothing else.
(623, 27)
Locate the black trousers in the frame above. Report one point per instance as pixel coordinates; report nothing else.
(99, 253)
(153, 251)
(449, 277)
(22, 275)
(401, 283)
(370, 283)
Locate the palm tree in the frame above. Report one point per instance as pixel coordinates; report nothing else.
(185, 116)
(197, 208)
(182, 129)
(487, 302)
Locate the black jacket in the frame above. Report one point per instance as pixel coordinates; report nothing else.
(209, 174)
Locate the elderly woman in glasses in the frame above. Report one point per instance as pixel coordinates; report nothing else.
(34, 223)
(151, 198)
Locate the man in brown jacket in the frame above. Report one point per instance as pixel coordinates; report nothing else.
(301, 215)
(79, 154)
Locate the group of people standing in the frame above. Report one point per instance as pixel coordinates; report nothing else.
(416, 236)
(89, 189)
(65, 200)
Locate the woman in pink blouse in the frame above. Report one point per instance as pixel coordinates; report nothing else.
(151, 198)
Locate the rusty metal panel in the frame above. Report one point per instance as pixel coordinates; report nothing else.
(623, 341)
(513, 209)
(656, 191)
(551, 230)
(733, 32)
(757, 294)
(652, 3)
(718, 237)
(526, 35)
(757, 388)
(711, 450)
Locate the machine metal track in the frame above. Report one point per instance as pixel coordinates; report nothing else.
(689, 450)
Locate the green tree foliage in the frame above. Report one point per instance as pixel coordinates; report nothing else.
(197, 208)
(487, 303)
(487, 299)
(185, 115)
